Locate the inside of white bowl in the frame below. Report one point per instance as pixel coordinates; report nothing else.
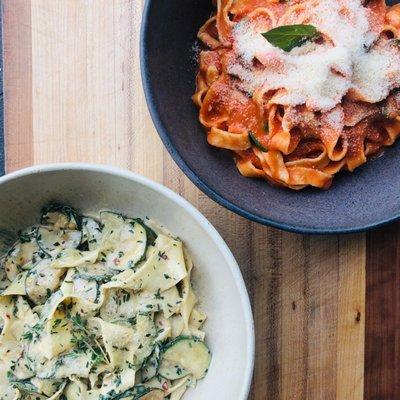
(217, 280)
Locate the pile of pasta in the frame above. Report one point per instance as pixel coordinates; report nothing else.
(298, 117)
(98, 310)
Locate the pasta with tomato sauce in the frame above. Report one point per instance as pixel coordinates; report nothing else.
(300, 90)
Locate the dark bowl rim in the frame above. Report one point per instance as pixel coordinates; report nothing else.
(204, 187)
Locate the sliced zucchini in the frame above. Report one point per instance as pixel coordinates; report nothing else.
(91, 233)
(110, 219)
(42, 281)
(85, 289)
(61, 217)
(138, 392)
(96, 272)
(25, 386)
(27, 234)
(151, 365)
(72, 258)
(123, 241)
(64, 366)
(4, 281)
(183, 356)
(52, 241)
(118, 304)
(145, 333)
(23, 255)
(172, 370)
(151, 235)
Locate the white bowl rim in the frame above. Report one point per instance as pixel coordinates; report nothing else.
(196, 214)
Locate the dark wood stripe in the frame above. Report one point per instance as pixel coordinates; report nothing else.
(2, 164)
(17, 42)
(268, 305)
(382, 328)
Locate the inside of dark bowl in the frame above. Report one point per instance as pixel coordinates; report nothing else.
(356, 201)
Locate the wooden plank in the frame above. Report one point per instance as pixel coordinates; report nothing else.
(84, 102)
(308, 302)
(310, 307)
(382, 363)
(351, 317)
(17, 84)
(266, 280)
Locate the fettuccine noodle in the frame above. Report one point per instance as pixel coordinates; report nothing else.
(298, 117)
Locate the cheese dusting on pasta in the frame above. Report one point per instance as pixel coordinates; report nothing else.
(300, 90)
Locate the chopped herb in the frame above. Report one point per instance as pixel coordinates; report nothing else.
(117, 381)
(178, 369)
(85, 341)
(33, 333)
(256, 142)
(158, 296)
(56, 323)
(24, 237)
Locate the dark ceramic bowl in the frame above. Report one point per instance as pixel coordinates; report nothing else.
(357, 201)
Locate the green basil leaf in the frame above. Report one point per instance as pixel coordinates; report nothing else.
(288, 37)
(256, 142)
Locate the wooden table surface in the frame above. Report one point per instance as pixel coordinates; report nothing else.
(326, 309)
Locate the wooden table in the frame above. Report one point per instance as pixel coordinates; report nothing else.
(327, 309)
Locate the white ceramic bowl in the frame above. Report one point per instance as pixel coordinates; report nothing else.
(217, 279)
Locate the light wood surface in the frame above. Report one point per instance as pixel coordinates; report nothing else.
(73, 93)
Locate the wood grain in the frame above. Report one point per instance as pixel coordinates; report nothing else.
(74, 93)
(382, 363)
(17, 84)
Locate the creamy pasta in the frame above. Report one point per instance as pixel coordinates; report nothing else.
(299, 90)
(98, 309)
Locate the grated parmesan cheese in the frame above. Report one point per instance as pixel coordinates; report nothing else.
(376, 73)
(319, 75)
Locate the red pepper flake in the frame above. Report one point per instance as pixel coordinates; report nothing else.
(8, 316)
(165, 386)
(116, 261)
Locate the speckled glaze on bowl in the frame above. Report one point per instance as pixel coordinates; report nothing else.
(357, 201)
(217, 280)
